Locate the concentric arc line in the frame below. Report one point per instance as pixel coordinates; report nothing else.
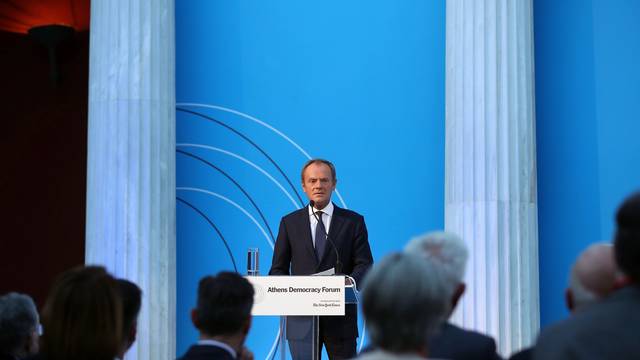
(246, 138)
(235, 183)
(233, 260)
(212, 148)
(222, 197)
(254, 119)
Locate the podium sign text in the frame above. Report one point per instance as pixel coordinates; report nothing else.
(298, 295)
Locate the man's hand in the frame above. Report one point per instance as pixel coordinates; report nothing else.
(347, 281)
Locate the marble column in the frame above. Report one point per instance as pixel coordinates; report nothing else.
(490, 165)
(131, 221)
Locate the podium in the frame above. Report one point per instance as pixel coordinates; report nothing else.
(301, 300)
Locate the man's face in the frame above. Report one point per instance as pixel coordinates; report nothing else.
(318, 184)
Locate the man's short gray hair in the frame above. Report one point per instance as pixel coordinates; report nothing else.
(18, 320)
(445, 250)
(402, 302)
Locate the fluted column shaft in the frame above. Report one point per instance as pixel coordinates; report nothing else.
(131, 159)
(490, 165)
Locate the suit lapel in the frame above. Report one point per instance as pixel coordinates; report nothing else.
(305, 225)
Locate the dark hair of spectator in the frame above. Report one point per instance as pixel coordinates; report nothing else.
(627, 239)
(224, 304)
(82, 317)
(131, 297)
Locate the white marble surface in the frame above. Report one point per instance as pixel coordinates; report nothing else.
(130, 225)
(490, 166)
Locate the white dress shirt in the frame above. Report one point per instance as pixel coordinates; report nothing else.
(327, 214)
(218, 344)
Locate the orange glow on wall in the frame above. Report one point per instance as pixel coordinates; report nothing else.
(21, 15)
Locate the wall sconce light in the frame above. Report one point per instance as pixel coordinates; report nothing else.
(51, 36)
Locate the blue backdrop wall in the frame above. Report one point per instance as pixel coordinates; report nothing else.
(262, 86)
(588, 111)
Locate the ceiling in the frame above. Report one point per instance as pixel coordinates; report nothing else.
(19, 16)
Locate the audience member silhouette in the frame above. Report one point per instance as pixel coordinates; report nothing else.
(131, 297)
(448, 252)
(610, 328)
(593, 276)
(406, 300)
(19, 323)
(403, 303)
(82, 317)
(223, 318)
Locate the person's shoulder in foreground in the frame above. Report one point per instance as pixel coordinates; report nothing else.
(456, 343)
(385, 355)
(223, 318)
(609, 329)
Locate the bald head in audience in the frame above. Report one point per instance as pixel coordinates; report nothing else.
(593, 276)
(610, 328)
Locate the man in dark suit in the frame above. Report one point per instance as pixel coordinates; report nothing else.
(456, 343)
(609, 329)
(223, 317)
(449, 253)
(593, 277)
(302, 248)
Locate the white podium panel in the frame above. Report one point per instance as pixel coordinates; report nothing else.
(298, 295)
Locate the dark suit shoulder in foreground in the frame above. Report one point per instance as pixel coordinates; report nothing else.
(206, 352)
(524, 354)
(455, 343)
(607, 330)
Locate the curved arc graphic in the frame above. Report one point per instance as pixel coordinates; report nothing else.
(236, 205)
(235, 183)
(276, 341)
(274, 347)
(226, 245)
(212, 148)
(258, 121)
(246, 138)
(279, 133)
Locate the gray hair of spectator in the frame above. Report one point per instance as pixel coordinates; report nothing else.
(403, 302)
(18, 320)
(446, 251)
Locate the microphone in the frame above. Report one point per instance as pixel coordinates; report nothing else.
(324, 230)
